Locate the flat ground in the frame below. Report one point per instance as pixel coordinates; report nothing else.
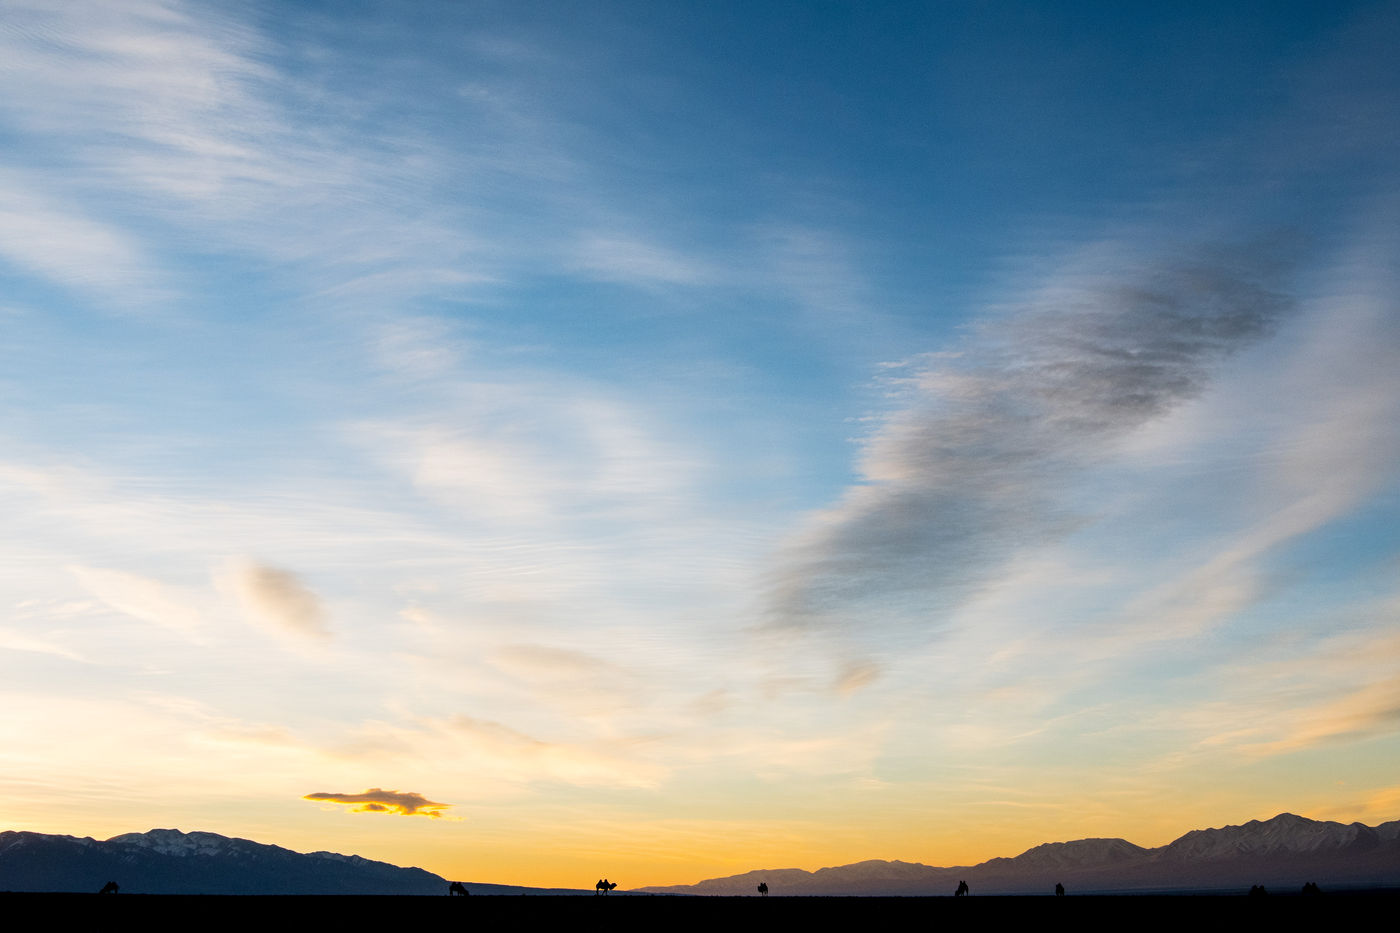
(617, 913)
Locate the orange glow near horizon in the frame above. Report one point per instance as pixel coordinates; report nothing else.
(552, 850)
(668, 851)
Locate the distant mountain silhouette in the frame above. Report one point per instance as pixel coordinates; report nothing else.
(167, 861)
(1282, 853)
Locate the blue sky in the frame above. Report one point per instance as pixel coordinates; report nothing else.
(788, 435)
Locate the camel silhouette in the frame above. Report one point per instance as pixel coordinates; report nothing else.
(962, 889)
(110, 887)
(457, 887)
(763, 888)
(604, 886)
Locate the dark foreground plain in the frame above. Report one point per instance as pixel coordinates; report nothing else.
(729, 914)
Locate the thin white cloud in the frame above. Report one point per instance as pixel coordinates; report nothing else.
(528, 453)
(169, 115)
(16, 639)
(140, 597)
(150, 98)
(100, 261)
(616, 258)
(497, 756)
(546, 662)
(820, 272)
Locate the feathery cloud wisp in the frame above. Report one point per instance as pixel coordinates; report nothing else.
(138, 597)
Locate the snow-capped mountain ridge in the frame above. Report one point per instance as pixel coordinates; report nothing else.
(183, 845)
(1280, 852)
(1285, 849)
(1285, 833)
(1078, 853)
(173, 842)
(168, 861)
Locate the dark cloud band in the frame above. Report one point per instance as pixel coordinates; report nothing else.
(979, 463)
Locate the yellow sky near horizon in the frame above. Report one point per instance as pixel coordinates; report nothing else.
(552, 845)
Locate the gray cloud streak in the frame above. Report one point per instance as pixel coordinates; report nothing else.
(982, 460)
(280, 600)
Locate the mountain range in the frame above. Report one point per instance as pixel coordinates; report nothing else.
(167, 861)
(1281, 853)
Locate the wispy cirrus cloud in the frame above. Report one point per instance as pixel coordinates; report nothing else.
(378, 800)
(819, 271)
(1370, 711)
(500, 757)
(13, 638)
(96, 259)
(982, 459)
(165, 116)
(140, 597)
(1335, 688)
(528, 452)
(616, 258)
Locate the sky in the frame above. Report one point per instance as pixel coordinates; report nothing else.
(538, 442)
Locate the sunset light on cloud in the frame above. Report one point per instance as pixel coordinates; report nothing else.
(377, 800)
(696, 437)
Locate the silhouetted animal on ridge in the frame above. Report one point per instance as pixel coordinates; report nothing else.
(604, 886)
(962, 889)
(110, 887)
(457, 887)
(763, 888)
(1311, 888)
(1059, 890)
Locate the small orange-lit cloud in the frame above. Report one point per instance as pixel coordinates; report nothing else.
(377, 800)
